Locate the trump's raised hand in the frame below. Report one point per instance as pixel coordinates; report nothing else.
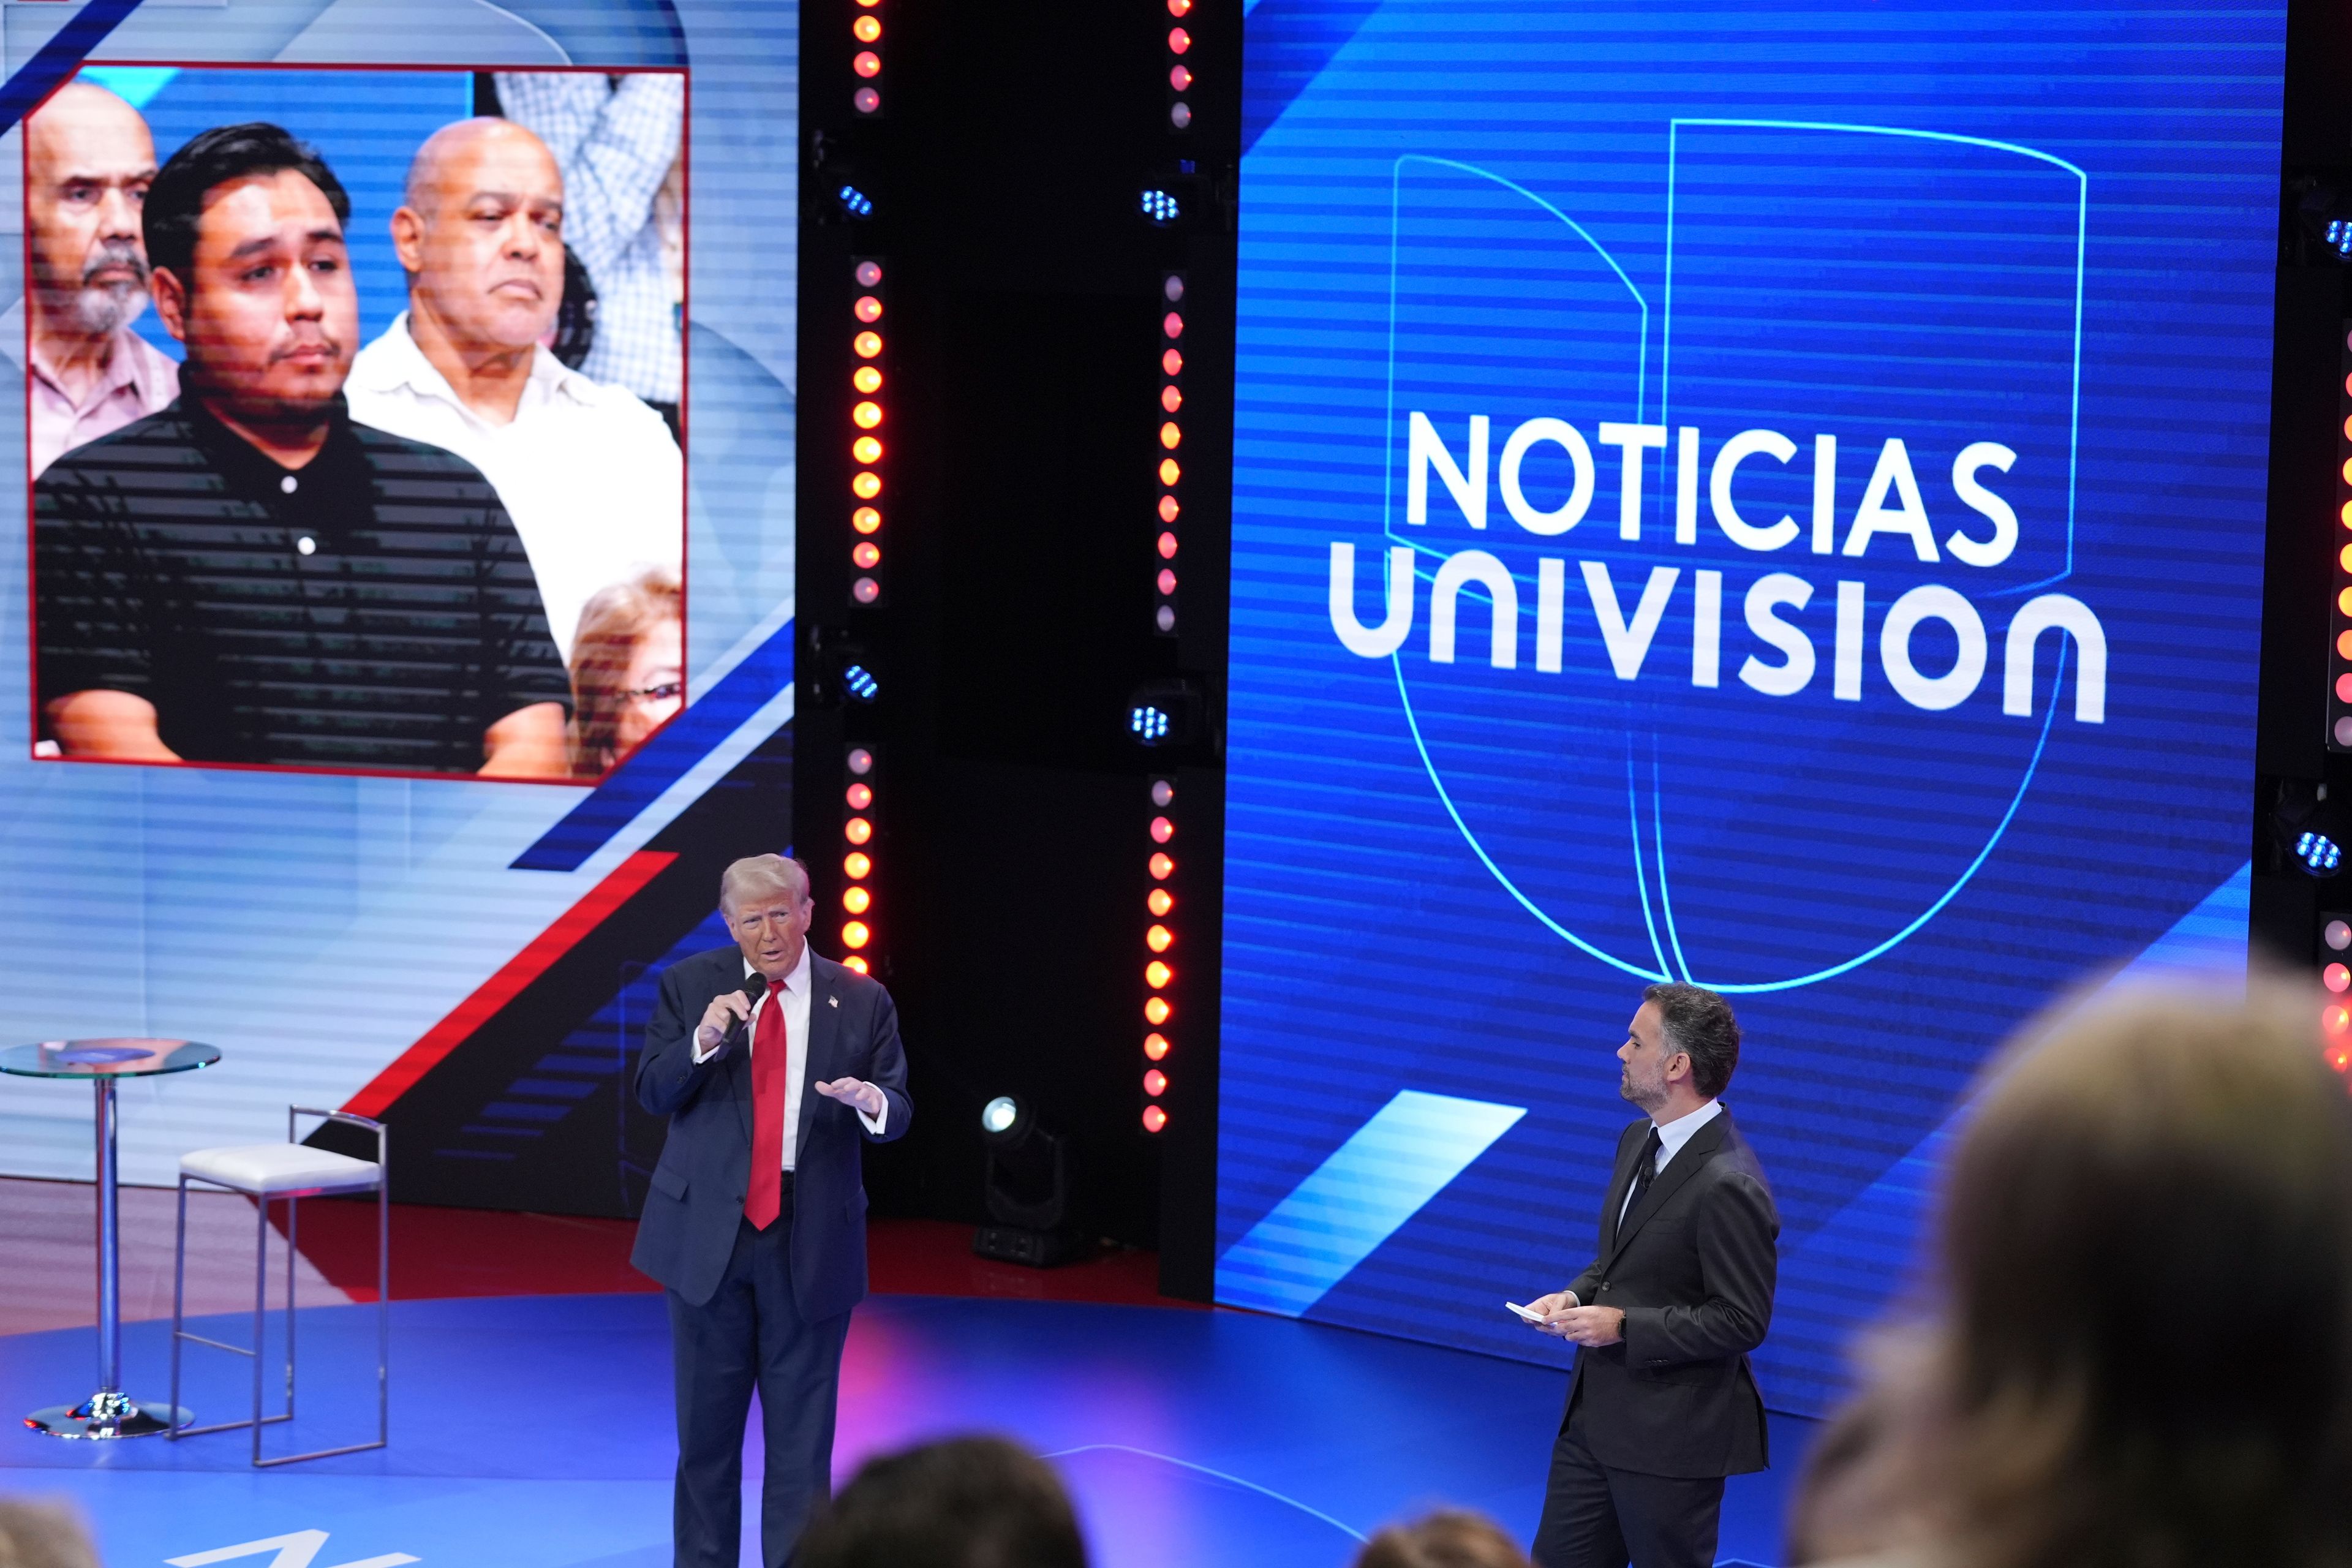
(855, 1092)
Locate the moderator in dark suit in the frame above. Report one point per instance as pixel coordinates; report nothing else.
(750, 1307)
(1658, 1417)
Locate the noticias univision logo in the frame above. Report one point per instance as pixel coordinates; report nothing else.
(1770, 725)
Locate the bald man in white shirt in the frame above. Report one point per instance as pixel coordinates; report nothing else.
(590, 474)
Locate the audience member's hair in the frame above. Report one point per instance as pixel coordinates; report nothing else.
(970, 1502)
(612, 623)
(1450, 1538)
(43, 1535)
(211, 159)
(1699, 1023)
(2139, 1349)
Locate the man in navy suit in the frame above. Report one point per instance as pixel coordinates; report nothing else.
(1662, 1406)
(774, 1065)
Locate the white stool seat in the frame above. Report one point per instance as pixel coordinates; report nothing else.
(270, 1169)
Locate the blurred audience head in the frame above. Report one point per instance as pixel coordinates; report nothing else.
(1450, 1538)
(628, 669)
(43, 1535)
(2139, 1350)
(969, 1502)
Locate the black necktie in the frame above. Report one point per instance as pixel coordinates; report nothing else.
(1646, 1169)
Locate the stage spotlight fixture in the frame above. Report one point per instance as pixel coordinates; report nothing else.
(1160, 207)
(1025, 1183)
(1166, 712)
(854, 202)
(858, 682)
(2312, 829)
(2325, 212)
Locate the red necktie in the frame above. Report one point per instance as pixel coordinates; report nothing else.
(764, 1199)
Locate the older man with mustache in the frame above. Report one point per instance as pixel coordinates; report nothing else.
(251, 575)
(89, 160)
(590, 474)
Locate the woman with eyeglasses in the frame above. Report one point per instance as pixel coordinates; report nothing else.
(628, 669)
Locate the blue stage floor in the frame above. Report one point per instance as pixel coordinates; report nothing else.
(536, 1431)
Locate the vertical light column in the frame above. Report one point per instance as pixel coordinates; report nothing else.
(1180, 72)
(1171, 436)
(1158, 939)
(858, 816)
(866, 446)
(867, 63)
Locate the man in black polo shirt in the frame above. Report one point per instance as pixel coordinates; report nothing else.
(248, 576)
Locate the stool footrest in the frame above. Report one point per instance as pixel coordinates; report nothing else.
(230, 1426)
(317, 1453)
(233, 1350)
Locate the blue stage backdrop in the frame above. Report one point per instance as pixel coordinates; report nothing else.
(1769, 496)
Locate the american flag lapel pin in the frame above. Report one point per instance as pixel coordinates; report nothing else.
(831, 1001)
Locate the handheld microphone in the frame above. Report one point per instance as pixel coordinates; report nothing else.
(741, 1028)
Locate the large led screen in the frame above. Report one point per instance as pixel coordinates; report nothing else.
(1770, 498)
(399, 558)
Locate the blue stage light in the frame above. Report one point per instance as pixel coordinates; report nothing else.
(2339, 235)
(859, 682)
(2318, 853)
(1160, 207)
(855, 201)
(1150, 724)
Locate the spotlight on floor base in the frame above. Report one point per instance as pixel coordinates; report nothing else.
(1028, 1186)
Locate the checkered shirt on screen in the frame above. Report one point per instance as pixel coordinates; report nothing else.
(614, 144)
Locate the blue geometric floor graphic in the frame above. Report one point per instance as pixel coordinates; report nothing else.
(535, 1432)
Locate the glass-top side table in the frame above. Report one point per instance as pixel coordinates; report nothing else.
(109, 1413)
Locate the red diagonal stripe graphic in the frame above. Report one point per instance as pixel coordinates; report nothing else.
(504, 986)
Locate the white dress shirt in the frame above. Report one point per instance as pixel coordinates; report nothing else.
(1672, 1136)
(588, 474)
(797, 993)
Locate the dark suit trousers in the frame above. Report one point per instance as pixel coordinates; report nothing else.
(750, 1335)
(1594, 1517)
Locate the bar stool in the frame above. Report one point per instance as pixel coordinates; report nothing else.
(291, 1170)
